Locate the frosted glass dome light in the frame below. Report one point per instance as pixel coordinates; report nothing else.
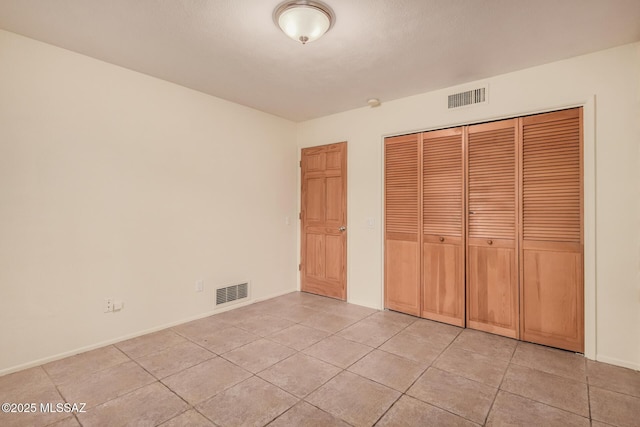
(304, 21)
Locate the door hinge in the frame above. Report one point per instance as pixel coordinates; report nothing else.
(299, 267)
(300, 215)
(300, 163)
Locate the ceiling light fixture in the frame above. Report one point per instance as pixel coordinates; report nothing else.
(304, 21)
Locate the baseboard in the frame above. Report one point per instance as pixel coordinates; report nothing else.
(84, 349)
(361, 304)
(618, 362)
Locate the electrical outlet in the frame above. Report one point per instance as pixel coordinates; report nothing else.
(118, 305)
(199, 285)
(108, 305)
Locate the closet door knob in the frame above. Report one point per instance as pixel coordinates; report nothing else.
(442, 239)
(490, 242)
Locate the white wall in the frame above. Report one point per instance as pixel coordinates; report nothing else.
(608, 84)
(116, 184)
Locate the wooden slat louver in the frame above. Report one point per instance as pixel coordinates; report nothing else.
(551, 180)
(442, 185)
(401, 187)
(492, 182)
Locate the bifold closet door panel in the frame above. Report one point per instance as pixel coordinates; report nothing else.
(552, 296)
(402, 223)
(492, 273)
(442, 226)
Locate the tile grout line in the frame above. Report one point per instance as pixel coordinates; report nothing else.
(504, 374)
(189, 405)
(283, 412)
(431, 365)
(89, 373)
(402, 393)
(562, 377)
(556, 376)
(170, 329)
(546, 404)
(268, 382)
(75, 415)
(101, 370)
(387, 410)
(518, 395)
(378, 348)
(343, 370)
(303, 399)
(257, 312)
(402, 329)
(157, 380)
(589, 400)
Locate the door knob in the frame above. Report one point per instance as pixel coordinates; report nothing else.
(490, 242)
(442, 239)
(343, 228)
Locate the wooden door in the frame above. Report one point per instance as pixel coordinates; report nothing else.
(492, 274)
(443, 289)
(552, 293)
(323, 268)
(402, 223)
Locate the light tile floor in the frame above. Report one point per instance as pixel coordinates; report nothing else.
(305, 360)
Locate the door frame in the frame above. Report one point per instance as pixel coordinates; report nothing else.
(345, 200)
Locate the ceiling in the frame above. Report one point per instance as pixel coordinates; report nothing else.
(386, 49)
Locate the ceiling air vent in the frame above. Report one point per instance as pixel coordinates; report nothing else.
(470, 97)
(232, 293)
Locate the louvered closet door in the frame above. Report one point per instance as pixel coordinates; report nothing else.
(402, 223)
(442, 226)
(552, 306)
(492, 290)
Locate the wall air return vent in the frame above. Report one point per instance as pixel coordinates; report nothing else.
(232, 293)
(469, 97)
